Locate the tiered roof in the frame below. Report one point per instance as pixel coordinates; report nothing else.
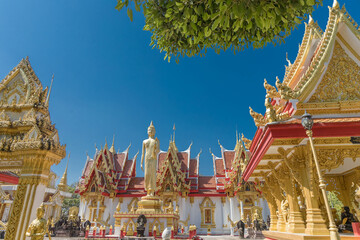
(114, 173)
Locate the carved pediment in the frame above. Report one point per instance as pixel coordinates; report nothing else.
(341, 81)
(33, 135)
(21, 86)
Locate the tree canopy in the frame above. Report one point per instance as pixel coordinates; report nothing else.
(190, 27)
(70, 202)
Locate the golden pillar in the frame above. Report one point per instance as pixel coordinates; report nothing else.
(302, 168)
(295, 222)
(30, 191)
(276, 192)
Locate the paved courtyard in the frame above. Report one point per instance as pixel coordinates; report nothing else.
(224, 237)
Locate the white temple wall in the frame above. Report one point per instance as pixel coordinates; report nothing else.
(82, 208)
(109, 209)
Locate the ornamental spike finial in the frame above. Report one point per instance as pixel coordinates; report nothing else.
(174, 132)
(335, 4)
(106, 145)
(48, 96)
(311, 20)
(112, 148)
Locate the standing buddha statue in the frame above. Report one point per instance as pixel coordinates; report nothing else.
(152, 147)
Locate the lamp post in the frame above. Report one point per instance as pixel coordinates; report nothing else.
(307, 122)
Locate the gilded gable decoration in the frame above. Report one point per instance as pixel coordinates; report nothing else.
(341, 82)
(170, 177)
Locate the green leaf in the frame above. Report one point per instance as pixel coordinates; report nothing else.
(193, 26)
(137, 7)
(310, 2)
(207, 32)
(130, 14)
(216, 23)
(119, 5)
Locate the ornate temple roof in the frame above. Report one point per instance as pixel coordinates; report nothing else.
(114, 173)
(323, 80)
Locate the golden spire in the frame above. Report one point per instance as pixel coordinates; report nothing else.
(174, 132)
(63, 181)
(106, 145)
(311, 20)
(48, 96)
(112, 148)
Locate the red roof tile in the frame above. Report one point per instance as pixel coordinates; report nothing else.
(229, 157)
(127, 168)
(183, 159)
(193, 167)
(88, 168)
(207, 182)
(136, 183)
(119, 160)
(161, 159)
(123, 182)
(219, 167)
(207, 191)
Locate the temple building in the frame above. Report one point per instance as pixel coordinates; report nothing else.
(213, 203)
(29, 146)
(324, 81)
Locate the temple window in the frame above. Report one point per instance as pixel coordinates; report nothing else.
(207, 208)
(207, 216)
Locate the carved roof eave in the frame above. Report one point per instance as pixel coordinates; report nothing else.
(322, 55)
(312, 31)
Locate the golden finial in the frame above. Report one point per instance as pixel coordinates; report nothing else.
(63, 182)
(311, 20)
(112, 148)
(211, 153)
(48, 96)
(335, 4)
(106, 145)
(174, 132)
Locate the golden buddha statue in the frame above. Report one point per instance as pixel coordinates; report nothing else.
(73, 214)
(152, 147)
(38, 227)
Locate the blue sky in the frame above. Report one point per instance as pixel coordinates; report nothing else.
(109, 81)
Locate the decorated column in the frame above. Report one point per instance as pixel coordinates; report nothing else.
(302, 169)
(30, 192)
